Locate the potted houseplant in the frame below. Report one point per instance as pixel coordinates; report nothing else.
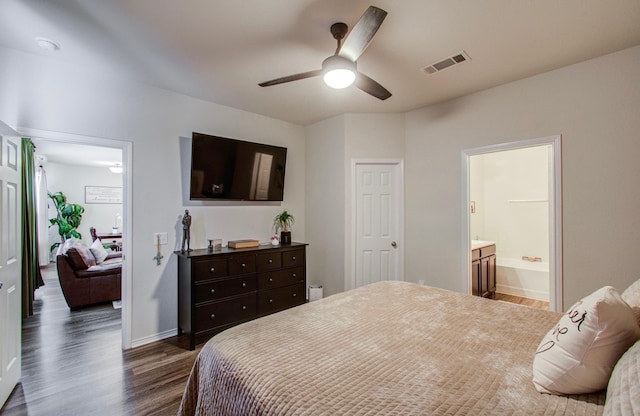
(67, 219)
(284, 221)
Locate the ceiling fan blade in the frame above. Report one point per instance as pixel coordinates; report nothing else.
(362, 33)
(290, 78)
(371, 87)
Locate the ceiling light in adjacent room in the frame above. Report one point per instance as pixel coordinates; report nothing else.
(116, 168)
(48, 44)
(338, 72)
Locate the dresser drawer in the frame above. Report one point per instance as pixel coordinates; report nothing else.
(216, 314)
(279, 278)
(269, 261)
(293, 258)
(281, 298)
(241, 265)
(222, 288)
(210, 269)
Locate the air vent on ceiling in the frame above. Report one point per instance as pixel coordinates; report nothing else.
(446, 63)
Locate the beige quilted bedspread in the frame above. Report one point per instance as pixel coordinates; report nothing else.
(391, 348)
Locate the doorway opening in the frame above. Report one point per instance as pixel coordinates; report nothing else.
(121, 218)
(512, 197)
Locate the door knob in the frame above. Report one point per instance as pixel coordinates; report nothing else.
(394, 244)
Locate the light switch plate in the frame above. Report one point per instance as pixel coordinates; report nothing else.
(162, 236)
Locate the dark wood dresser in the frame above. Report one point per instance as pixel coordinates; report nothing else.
(223, 288)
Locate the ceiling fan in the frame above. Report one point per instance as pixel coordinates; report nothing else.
(340, 69)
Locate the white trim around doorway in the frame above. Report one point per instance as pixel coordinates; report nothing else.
(127, 148)
(555, 211)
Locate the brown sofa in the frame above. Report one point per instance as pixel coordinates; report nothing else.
(82, 287)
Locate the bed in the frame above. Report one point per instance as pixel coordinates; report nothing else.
(390, 348)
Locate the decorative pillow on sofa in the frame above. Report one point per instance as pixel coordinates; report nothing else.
(579, 353)
(623, 391)
(98, 251)
(79, 254)
(80, 258)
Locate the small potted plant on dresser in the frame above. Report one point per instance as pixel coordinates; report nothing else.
(284, 221)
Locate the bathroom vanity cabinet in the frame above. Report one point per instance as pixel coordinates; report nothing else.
(483, 269)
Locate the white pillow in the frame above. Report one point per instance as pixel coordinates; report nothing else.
(70, 242)
(98, 251)
(579, 353)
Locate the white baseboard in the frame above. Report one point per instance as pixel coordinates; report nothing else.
(522, 292)
(153, 338)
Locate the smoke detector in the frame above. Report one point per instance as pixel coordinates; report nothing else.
(445, 63)
(47, 44)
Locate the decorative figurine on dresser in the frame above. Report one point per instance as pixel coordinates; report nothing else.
(220, 289)
(186, 230)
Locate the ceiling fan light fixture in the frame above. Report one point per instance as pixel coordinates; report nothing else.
(338, 72)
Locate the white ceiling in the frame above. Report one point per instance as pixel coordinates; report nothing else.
(219, 50)
(75, 154)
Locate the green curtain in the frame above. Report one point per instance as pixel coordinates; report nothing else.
(31, 277)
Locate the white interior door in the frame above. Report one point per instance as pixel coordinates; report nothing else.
(10, 265)
(378, 223)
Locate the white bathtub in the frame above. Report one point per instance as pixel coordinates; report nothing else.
(522, 278)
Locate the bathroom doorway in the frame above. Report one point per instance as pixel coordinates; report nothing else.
(512, 194)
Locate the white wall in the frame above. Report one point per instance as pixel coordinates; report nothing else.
(40, 94)
(331, 147)
(594, 106)
(71, 180)
(325, 197)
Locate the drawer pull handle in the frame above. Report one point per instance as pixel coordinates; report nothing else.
(294, 295)
(211, 270)
(270, 261)
(213, 316)
(244, 307)
(270, 300)
(213, 291)
(243, 265)
(271, 279)
(294, 275)
(244, 284)
(293, 257)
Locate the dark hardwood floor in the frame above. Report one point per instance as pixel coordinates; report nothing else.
(73, 364)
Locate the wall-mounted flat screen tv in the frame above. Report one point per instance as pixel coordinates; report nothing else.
(230, 169)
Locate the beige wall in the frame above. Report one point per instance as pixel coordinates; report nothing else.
(325, 201)
(594, 106)
(331, 146)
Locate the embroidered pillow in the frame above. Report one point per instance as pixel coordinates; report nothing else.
(98, 251)
(578, 354)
